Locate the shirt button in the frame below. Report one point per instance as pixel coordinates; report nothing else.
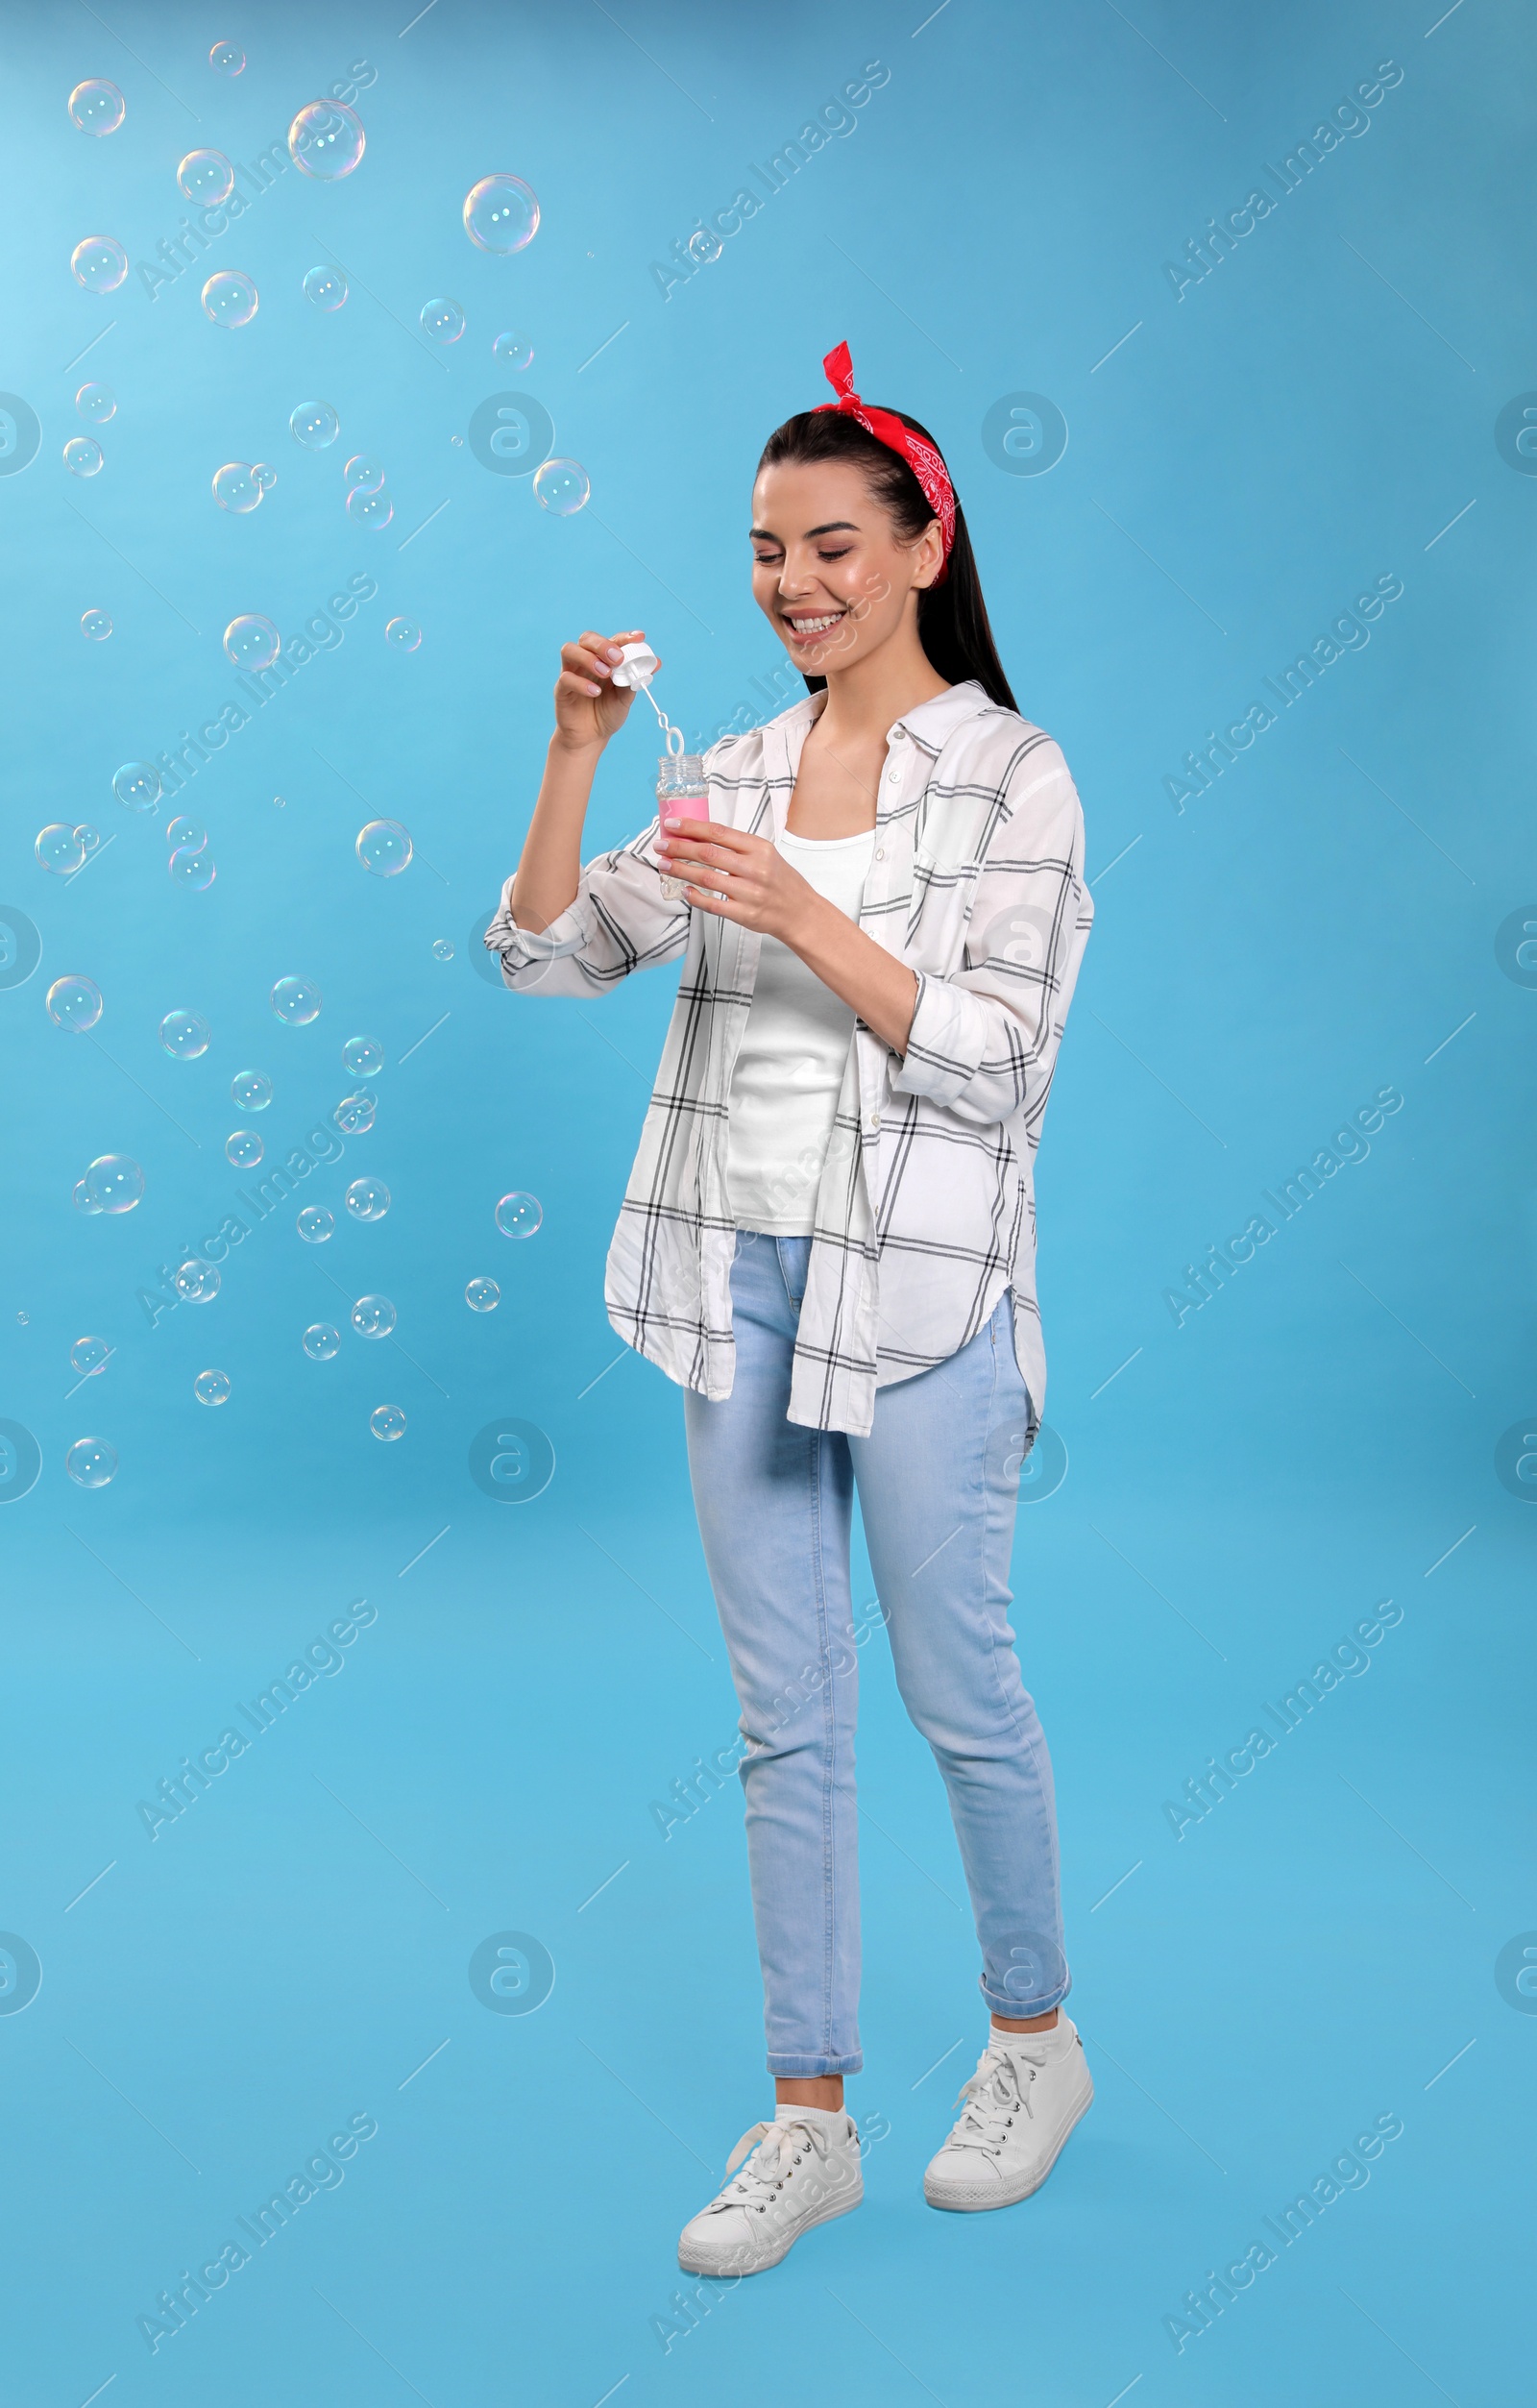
(879, 852)
(874, 1120)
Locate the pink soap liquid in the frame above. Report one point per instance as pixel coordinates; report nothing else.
(681, 793)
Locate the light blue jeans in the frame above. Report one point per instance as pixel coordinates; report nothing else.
(938, 1488)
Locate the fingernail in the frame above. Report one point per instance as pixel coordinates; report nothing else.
(614, 652)
(595, 690)
(671, 823)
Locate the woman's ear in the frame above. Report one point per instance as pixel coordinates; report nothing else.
(928, 556)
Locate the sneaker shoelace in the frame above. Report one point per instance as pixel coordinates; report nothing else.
(991, 2099)
(775, 2149)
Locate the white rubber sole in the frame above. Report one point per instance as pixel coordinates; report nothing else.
(968, 2198)
(728, 2262)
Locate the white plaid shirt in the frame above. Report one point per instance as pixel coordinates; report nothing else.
(925, 1209)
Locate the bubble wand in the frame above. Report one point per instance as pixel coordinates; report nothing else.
(680, 781)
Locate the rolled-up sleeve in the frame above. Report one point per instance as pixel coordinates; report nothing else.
(620, 921)
(984, 1040)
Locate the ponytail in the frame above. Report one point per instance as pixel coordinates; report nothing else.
(953, 625)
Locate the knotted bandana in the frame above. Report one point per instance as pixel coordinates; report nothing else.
(920, 456)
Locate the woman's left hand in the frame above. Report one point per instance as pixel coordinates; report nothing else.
(736, 876)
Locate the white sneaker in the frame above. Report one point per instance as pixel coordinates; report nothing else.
(798, 2174)
(1020, 2106)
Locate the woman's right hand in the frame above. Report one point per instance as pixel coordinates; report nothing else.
(589, 708)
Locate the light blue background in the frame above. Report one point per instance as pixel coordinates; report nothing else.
(1320, 1436)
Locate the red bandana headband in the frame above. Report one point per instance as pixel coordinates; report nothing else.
(921, 458)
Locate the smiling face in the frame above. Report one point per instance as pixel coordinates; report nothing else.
(831, 572)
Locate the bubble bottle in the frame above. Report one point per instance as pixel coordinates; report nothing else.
(680, 779)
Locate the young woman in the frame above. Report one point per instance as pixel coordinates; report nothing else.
(828, 1241)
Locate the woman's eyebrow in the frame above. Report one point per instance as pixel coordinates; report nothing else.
(834, 527)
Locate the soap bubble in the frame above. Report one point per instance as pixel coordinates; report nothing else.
(314, 425)
(83, 1199)
(91, 1463)
(353, 1116)
(137, 786)
(206, 177)
(296, 1001)
(363, 1056)
(235, 487)
(95, 626)
(83, 456)
(88, 839)
(99, 264)
(250, 641)
(184, 1035)
(404, 633)
(315, 1225)
(212, 1388)
(326, 140)
(514, 350)
(192, 866)
(483, 1296)
(59, 849)
(367, 1199)
(226, 59)
(251, 1091)
(362, 473)
(373, 1316)
(88, 1356)
(97, 107)
(197, 1282)
(561, 486)
(326, 287)
(384, 848)
(74, 1003)
(321, 1343)
(265, 475)
(519, 1215)
(500, 213)
(96, 401)
(387, 1421)
(704, 247)
(244, 1148)
(186, 832)
(442, 320)
(114, 1183)
(373, 510)
(230, 298)
(442, 949)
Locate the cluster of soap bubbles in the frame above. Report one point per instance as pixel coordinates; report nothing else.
(113, 1183)
(83, 456)
(368, 501)
(95, 626)
(250, 641)
(239, 485)
(98, 263)
(97, 107)
(188, 859)
(65, 850)
(326, 140)
(206, 178)
(297, 1000)
(326, 287)
(230, 298)
(184, 1035)
(384, 848)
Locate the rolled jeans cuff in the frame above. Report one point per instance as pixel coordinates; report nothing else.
(1021, 2010)
(807, 2069)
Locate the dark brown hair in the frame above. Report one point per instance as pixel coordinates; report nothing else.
(953, 627)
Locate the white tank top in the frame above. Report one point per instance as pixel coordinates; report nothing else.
(790, 1066)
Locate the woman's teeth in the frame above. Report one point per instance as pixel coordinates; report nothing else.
(814, 627)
